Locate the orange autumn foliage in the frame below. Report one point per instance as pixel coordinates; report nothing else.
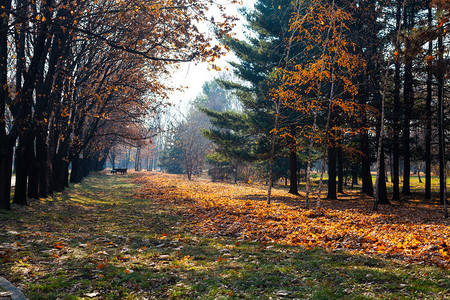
(411, 232)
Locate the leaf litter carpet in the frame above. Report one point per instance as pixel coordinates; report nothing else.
(413, 232)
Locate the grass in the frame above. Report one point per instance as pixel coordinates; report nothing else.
(98, 241)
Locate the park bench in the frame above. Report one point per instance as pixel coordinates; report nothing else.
(121, 171)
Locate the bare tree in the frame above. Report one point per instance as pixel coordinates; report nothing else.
(193, 145)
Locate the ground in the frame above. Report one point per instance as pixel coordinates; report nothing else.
(158, 236)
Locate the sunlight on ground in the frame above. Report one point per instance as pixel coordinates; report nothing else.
(415, 232)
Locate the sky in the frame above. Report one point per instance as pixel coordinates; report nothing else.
(194, 75)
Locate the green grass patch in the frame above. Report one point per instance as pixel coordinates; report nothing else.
(97, 241)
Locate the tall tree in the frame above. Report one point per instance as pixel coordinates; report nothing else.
(408, 97)
(6, 136)
(428, 112)
(322, 83)
(396, 107)
(441, 125)
(262, 114)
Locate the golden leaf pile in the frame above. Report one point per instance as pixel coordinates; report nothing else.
(410, 231)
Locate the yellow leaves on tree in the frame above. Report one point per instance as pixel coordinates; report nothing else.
(320, 27)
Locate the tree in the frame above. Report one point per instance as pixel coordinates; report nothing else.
(408, 97)
(262, 116)
(313, 86)
(187, 148)
(192, 144)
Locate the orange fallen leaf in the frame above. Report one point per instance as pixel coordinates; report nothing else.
(58, 245)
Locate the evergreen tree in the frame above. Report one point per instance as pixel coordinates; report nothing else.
(247, 135)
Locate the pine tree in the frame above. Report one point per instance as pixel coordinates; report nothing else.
(247, 135)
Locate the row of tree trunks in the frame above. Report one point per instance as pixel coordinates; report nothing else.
(66, 89)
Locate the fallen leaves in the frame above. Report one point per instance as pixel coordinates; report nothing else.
(185, 265)
(221, 259)
(414, 232)
(58, 245)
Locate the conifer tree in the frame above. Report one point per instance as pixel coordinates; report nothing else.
(247, 135)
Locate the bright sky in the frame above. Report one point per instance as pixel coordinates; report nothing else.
(193, 76)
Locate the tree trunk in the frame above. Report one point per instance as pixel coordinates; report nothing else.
(51, 154)
(441, 127)
(112, 158)
(272, 152)
(381, 188)
(408, 103)
(366, 176)
(354, 176)
(309, 163)
(428, 113)
(6, 158)
(66, 173)
(418, 172)
(340, 170)
(33, 170)
(41, 157)
(406, 189)
(395, 137)
(137, 161)
(75, 175)
(21, 163)
(380, 194)
(58, 173)
(271, 163)
(101, 164)
(188, 172)
(6, 140)
(332, 173)
(293, 184)
(396, 113)
(86, 167)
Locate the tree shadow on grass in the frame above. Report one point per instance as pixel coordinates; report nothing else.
(210, 268)
(102, 242)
